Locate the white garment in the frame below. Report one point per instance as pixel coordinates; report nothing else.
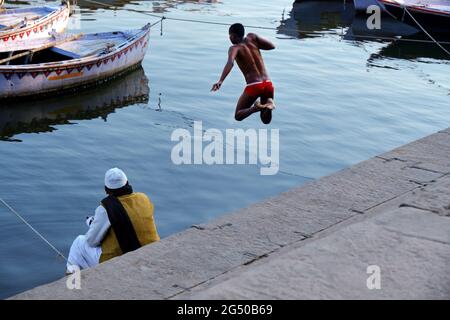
(81, 254)
(99, 227)
(86, 250)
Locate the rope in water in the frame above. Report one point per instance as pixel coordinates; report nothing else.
(33, 229)
(150, 13)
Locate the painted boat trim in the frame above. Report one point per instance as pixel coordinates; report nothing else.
(38, 28)
(74, 68)
(417, 8)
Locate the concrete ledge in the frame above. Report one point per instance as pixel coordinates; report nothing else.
(410, 246)
(412, 266)
(304, 239)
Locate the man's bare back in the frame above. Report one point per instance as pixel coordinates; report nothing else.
(250, 61)
(246, 52)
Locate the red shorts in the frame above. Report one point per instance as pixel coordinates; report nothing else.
(263, 89)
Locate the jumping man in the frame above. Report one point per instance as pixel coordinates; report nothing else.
(246, 52)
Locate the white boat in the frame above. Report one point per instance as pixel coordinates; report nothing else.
(32, 23)
(70, 62)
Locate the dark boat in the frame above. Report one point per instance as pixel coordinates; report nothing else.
(391, 28)
(432, 15)
(362, 5)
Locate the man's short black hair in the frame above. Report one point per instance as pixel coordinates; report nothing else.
(237, 29)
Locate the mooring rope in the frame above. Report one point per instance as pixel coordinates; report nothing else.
(159, 21)
(425, 31)
(163, 17)
(33, 229)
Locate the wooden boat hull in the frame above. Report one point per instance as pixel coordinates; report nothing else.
(434, 21)
(48, 78)
(56, 20)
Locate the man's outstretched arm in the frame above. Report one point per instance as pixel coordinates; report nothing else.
(232, 53)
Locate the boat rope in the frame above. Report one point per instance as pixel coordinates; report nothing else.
(159, 21)
(337, 33)
(33, 229)
(426, 32)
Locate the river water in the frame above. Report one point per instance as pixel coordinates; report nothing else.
(339, 101)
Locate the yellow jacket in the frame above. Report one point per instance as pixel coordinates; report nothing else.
(140, 211)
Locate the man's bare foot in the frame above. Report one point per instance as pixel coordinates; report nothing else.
(259, 105)
(270, 105)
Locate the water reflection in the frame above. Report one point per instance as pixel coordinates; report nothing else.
(157, 6)
(313, 18)
(410, 43)
(29, 117)
(411, 51)
(163, 6)
(106, 3)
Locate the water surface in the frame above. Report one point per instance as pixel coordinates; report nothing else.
(340, 101)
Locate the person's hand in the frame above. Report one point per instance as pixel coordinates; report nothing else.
(216, 86)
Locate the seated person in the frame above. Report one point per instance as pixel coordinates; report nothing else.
(122, 223)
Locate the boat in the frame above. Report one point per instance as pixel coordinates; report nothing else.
(32, 23)
(432, 15)
(362, 5)
(68, 62)
(391, 29)
(18, 117)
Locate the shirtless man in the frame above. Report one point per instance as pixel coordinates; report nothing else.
(246, 52)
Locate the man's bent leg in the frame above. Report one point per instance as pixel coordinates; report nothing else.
(245, 107)
(83, 255)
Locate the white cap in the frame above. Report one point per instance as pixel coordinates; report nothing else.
(115, 178)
